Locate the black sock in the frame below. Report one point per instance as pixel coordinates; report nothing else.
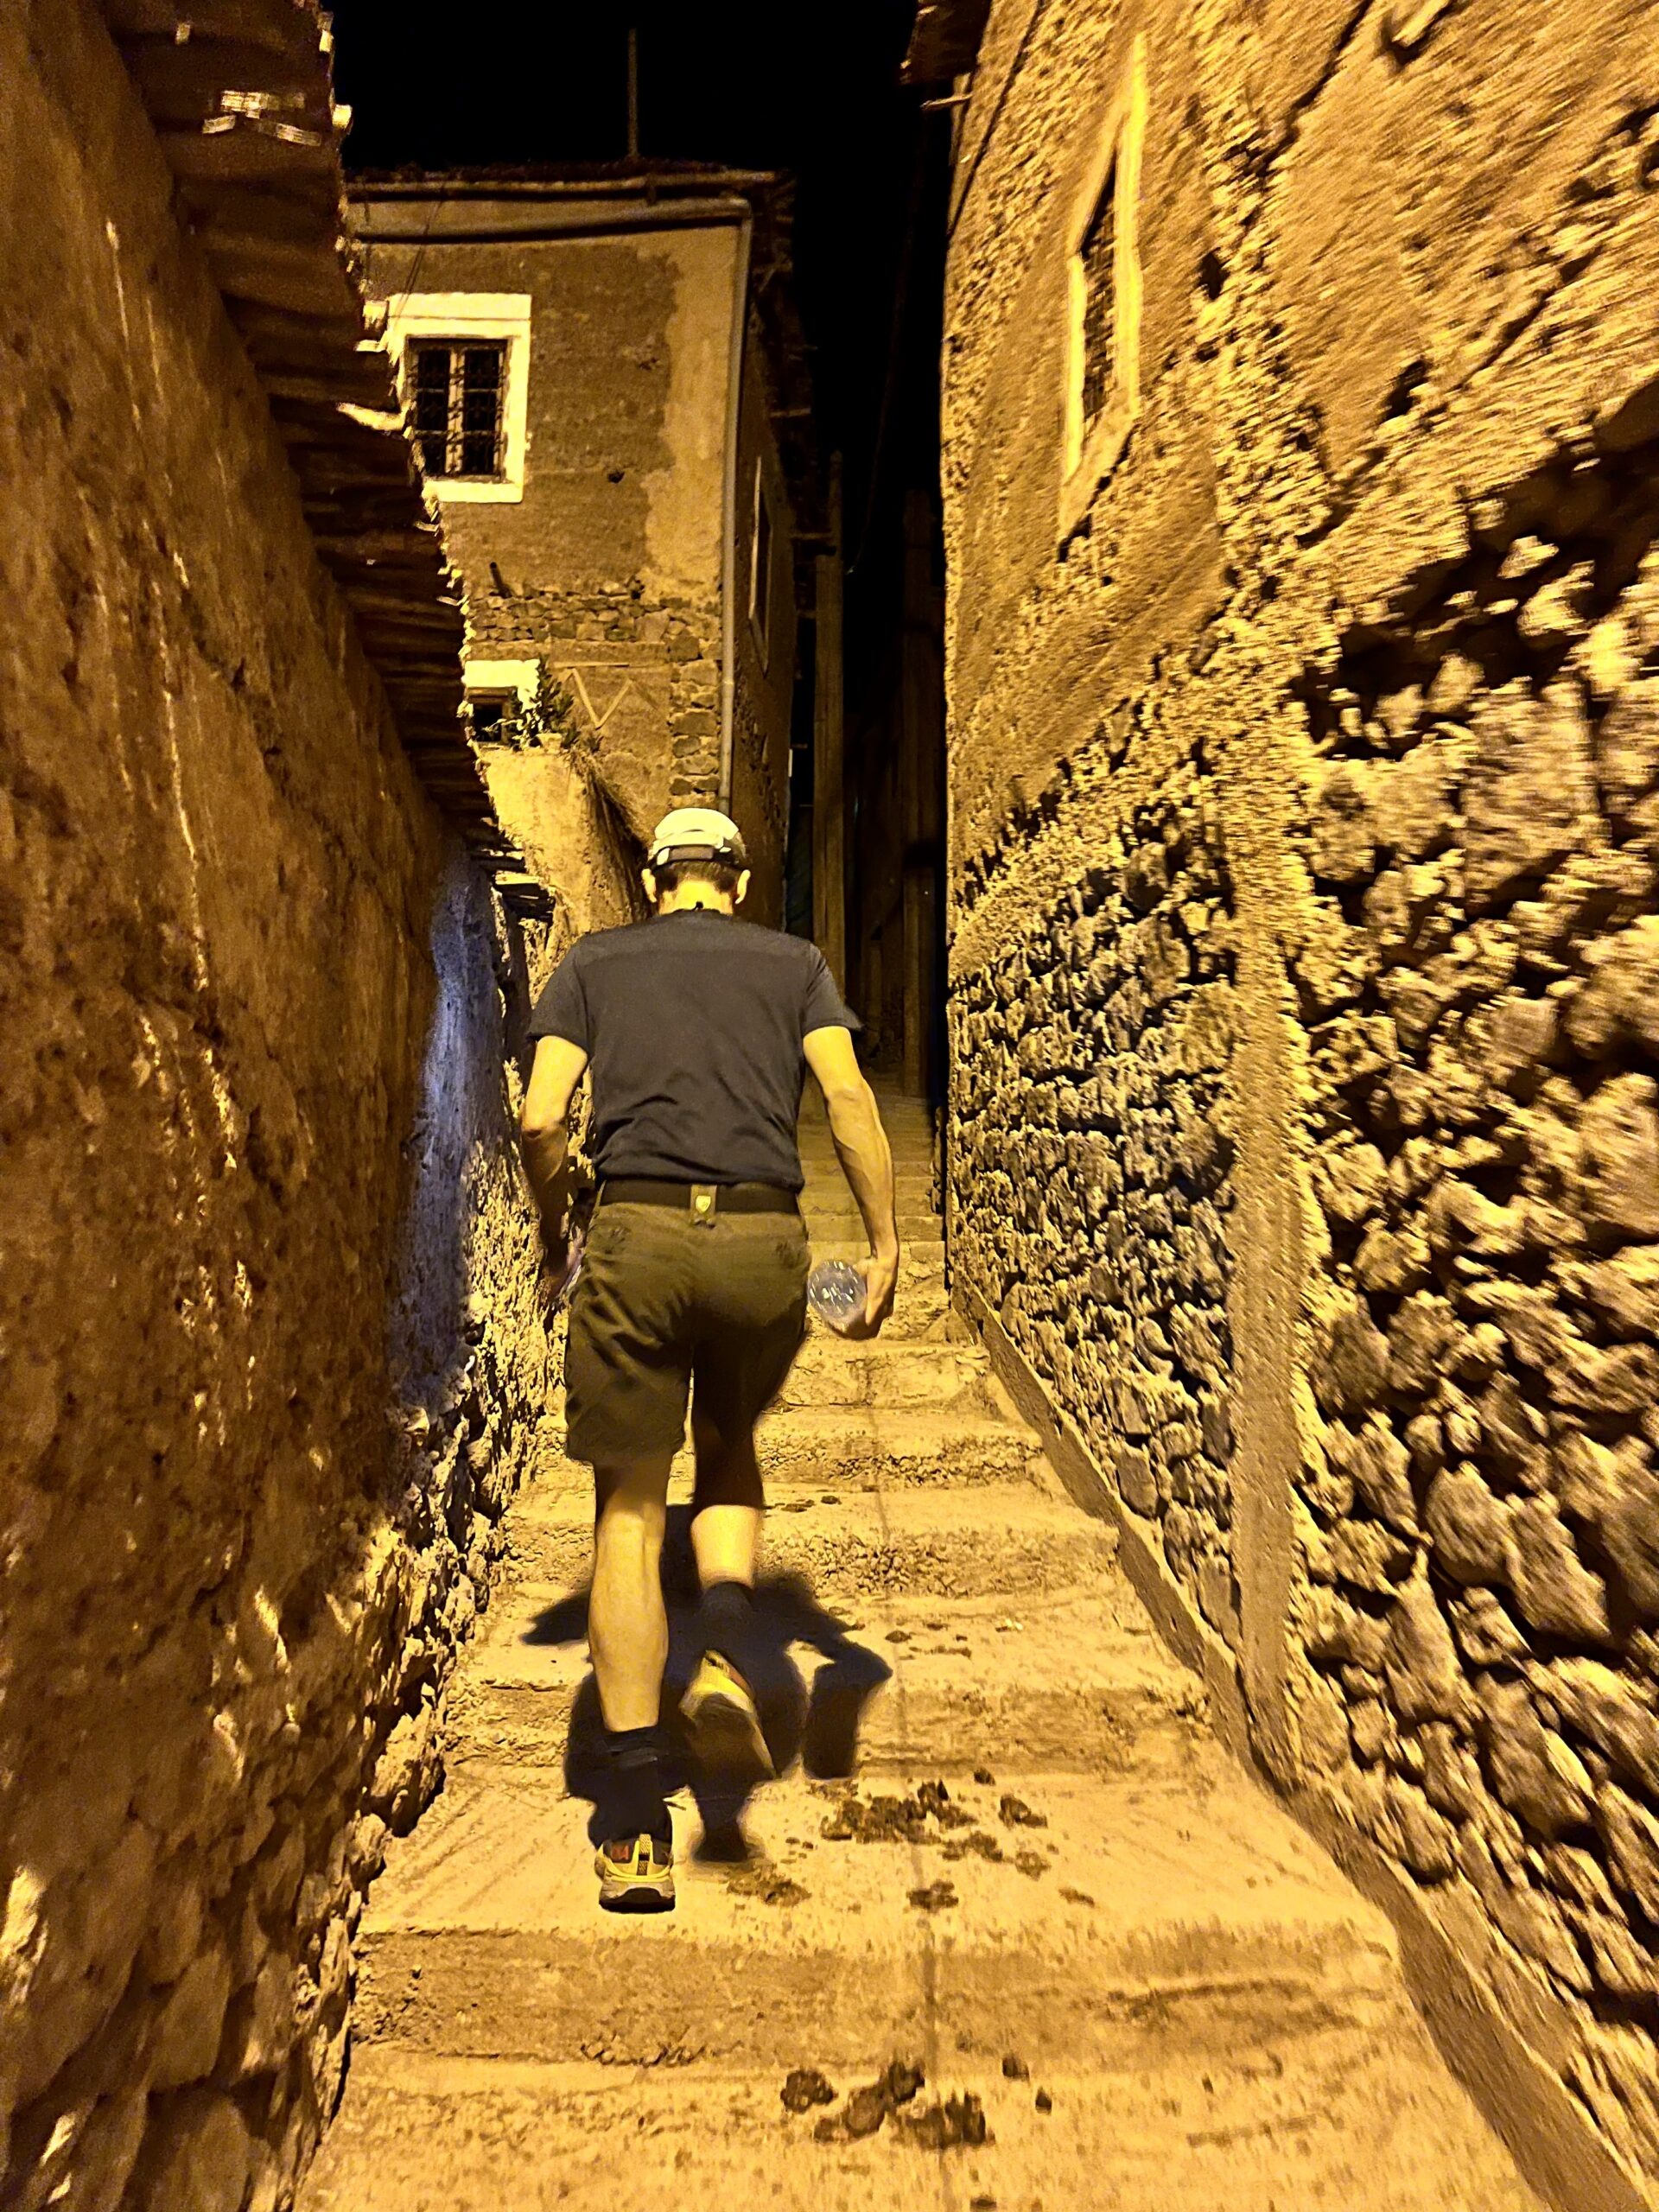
(726, 1620)
(633, 1795)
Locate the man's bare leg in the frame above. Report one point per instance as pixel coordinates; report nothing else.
(727, 1508)
(727, 1513)
(627, 1627)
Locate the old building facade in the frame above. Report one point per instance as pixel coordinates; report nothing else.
(260, 1189)
(1301, 471)
(622, 346)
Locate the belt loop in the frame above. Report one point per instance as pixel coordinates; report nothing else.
(704, 1202)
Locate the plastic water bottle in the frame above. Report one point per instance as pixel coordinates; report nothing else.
(836, 1291)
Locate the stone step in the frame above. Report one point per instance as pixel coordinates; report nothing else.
(1361, 2114)
(882, 1680)
(989, 1539)
(912, 1154)
(834, 1371)
(1197, 1913)
(910, 1180)
(875, 1448)
(921, 1259)
(836, 1223)
(862, 1447)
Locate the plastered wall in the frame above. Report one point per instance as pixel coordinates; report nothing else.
(268, 1344)
(1305, 837)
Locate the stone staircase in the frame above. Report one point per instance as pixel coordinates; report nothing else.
(1007, 1852)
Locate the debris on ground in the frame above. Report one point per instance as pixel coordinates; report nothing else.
(1043, 2101)
(984, 1777)
(935, 1897)
(1032, 1863)
(894, 1819)
(1014, 1813)
(976, 1843)
(981, 2204)
(898, 1636)
(1015, 2069)
(805, 2088)
(796, 1505)
(758, 1877)
(933, 1797)
(868, 2108)
(1077, 1897)
(829, 1498)
(901, 2082)
(943, 2126)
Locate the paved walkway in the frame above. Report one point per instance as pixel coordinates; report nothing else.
(1007, 1855)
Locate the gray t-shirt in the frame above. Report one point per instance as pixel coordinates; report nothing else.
(693, 1023)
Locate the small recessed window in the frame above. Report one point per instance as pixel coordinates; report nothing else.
(1099, 258)
(761, 567)
(1102, 348)
(494, 713)
(457, 389)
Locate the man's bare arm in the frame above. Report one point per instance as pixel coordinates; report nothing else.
(865, 1160)
(545, 1130)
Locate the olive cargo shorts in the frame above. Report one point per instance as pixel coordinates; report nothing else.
(664, 1306)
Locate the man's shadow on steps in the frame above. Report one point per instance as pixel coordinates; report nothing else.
(818, 1726)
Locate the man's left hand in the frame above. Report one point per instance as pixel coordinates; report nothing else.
(880, 1274)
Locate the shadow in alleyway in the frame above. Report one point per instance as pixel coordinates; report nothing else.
(818, 1724)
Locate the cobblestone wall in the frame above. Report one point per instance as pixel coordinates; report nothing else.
(1480, 1496)
(1090, 1098)
(1335, 717)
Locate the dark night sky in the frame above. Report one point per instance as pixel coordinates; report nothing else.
(815, 91)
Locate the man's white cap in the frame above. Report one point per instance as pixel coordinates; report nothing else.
(696, 833)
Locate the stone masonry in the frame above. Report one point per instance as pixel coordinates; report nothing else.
(1305, 1112)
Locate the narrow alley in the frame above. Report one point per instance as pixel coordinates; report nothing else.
(1012, 1861)
(1088, 569)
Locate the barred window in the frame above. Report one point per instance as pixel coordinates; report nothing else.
(1099, 258)
(455, 389)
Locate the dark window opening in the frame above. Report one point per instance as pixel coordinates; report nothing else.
(1099, 253)
(494, 713)
(457, 389)
(761, 567)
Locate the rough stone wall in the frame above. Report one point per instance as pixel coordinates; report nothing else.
(1479, 1494)
(1092, 1107)
(1303, 915)
(259, 1192)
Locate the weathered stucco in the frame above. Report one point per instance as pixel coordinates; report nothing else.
(252, 1095)
(1303, 872)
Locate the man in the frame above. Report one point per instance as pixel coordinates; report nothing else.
(698, 1029)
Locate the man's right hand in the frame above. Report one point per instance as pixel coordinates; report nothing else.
(880, 1274)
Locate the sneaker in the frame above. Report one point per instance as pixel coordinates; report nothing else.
(636, 1874)
(723, 1724)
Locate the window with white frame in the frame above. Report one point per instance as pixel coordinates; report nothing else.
(760, 566)
(454, 390)
(464, 360)
(1102, 349)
